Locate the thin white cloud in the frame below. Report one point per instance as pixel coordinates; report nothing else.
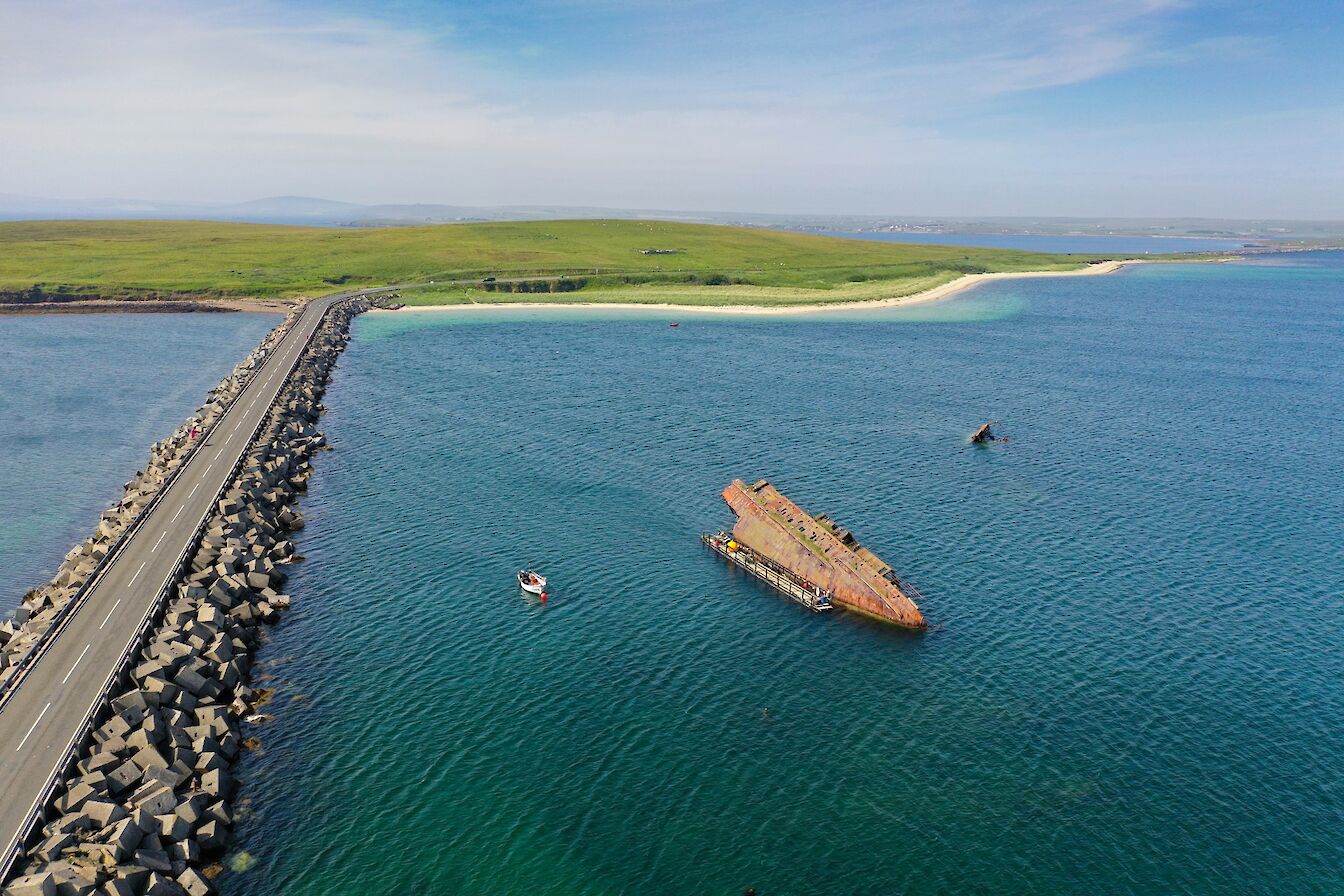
(180, 100)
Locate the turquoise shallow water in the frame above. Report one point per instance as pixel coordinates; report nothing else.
(82, 397)
(1133, 683)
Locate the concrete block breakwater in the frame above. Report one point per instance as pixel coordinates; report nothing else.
(147, 807)
(43, 607)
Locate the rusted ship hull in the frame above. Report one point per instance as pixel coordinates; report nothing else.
(819, 551)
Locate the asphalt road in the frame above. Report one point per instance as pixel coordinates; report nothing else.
(60, 691)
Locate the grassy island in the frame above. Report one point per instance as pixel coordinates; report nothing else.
(551, 261)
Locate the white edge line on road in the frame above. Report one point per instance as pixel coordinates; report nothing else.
(76, 665)
(93, 706)
(109, 613)
(30, 730)
(137, 574)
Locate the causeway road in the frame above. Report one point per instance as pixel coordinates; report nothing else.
(64, 686)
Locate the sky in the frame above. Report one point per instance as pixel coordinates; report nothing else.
(1145, 108)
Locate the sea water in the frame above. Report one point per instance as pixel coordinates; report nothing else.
(1134, 676)
(82, 397)
(1132, 683)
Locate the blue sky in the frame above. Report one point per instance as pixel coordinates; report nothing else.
(1224, 108)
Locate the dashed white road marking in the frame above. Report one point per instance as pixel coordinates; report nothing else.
(109, 614)
(180, 508)
(159, 542)
(30, 730)
(193, 489)
(137, 574)
(76, 665)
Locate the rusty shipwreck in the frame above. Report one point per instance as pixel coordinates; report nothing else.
(811, 559)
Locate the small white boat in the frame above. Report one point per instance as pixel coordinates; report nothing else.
(531, 582)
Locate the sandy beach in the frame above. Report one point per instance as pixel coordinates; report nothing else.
(937, 293)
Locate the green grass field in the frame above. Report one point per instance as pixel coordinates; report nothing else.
(579, 261)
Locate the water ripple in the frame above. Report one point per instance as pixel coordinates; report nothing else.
(1133, 682)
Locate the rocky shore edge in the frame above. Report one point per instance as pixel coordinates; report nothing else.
(42, 606)
(146, 810)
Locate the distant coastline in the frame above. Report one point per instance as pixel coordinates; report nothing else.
(933, 294)
(155, 306)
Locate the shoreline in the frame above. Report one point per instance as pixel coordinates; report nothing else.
(932, 294)
(188, 675)
(151, 306)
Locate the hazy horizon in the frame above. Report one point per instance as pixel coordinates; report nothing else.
(325, 212)
(1102, 108)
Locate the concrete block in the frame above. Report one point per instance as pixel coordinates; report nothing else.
(244, 614)
(173, 828)
(217, 784)
(164, 692)
(74, 798)
(144, 821)
(71, 824)
(219, 812)
(148, 758)
(40, 884)
(206, 762)
(114, 745)
(135, 876)
(140, 738)
(168, 777)
(103, 813)
(124, 776)
(119, 887)
(211, 836)
(192, 681)
(184, 854)
(124, 837)
(95, 780)
(158, 802)
(100, 760)
(49, 849)
(160, 884)
(153, 859)
(195, 883)
(129, 701)
(192, 809)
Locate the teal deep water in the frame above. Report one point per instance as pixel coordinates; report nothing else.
(82, 397)
(1134, 682)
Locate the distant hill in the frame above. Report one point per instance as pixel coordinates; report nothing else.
(316, 212)
(319, 212)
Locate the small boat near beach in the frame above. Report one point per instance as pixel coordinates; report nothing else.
(531, 581)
